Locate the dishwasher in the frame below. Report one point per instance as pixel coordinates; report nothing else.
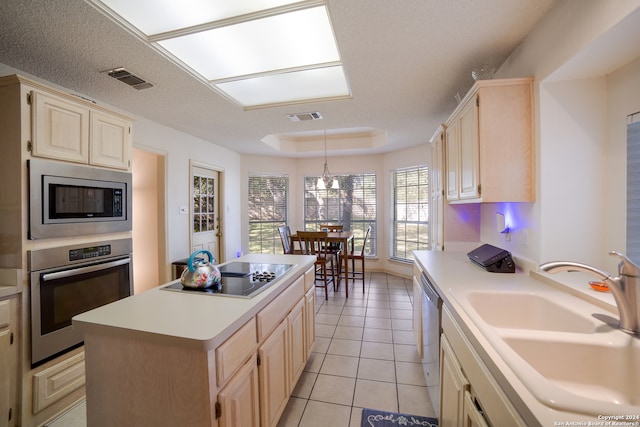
(431, 330)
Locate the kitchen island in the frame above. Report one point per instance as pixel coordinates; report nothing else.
(164, 358)
(530, 348)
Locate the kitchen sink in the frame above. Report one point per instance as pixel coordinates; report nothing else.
(560, 348)
(605, 372)
(519, 310)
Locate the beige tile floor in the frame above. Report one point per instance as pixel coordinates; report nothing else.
(364, 357)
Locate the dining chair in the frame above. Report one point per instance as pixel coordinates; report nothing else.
(285, 237)
(336, 248)
(315, 243)
(353, 256)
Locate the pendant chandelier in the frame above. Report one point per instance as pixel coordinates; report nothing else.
(326, 175)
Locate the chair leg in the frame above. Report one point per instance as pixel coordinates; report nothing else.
(326, 285)
(363, 275)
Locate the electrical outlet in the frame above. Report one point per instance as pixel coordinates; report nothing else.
(525, 236)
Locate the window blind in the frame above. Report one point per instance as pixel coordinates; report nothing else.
(268, 202)
(633, 187)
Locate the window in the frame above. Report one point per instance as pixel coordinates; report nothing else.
(353, 206)
(268, 200)
(410, 212)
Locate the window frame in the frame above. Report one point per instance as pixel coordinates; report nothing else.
(265, 229)
(423, 201)
(368, 189)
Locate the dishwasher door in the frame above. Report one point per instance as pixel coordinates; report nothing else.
(431, 330)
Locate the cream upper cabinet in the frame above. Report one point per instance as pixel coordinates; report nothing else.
(110, 141)
(70, 131)
(489, 144)
(436, 204)
(60, 129)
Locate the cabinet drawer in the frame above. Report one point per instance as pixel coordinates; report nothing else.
(279, 308)
(5, 313)
(232, 354)
(58, 381)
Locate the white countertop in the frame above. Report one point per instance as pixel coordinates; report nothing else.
(188, 319)
(456, 277)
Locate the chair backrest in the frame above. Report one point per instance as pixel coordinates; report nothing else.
(285, 237)
(364, 242)
(332, 227)
(312, 242)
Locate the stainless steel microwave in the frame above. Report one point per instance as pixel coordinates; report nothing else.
(70, 200)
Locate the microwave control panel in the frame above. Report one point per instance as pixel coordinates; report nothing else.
(89, 252)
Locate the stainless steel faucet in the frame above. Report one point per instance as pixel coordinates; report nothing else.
(625, 288)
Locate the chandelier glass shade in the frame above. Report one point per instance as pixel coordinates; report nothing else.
(326, 177)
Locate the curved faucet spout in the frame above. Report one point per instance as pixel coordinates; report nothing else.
(625, 287)
(558, 266)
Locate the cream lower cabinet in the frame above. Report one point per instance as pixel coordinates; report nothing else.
(282, 358)
(8, 361)
(239, 399)
(469, 395)
(310, 320)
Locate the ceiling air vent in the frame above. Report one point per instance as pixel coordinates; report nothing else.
(303, 117)
(126, 77)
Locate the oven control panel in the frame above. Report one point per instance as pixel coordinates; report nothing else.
(89, 252)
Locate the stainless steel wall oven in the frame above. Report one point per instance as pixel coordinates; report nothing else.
(69, 280)
(70, 200)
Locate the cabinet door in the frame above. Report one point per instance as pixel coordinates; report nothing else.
(296, 341)
(469, 151)
(452, 153)
(310, 320)
(417, 315)
(471, 415)
(8, 361)
(110, 141)
(453, 385)
(239, 398)
(60, 129)
(273, 377)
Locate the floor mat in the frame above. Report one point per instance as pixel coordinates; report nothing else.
(373, 418)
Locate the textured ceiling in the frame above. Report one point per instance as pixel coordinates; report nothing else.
(405, 62)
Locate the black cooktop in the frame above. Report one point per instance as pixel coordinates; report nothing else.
(239, 279)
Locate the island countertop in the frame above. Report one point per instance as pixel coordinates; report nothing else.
(187, 319)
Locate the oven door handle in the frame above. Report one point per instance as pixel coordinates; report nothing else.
(83, 270)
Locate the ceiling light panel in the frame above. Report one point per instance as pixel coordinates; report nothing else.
(278, 42)
(159, 16)
(256, 52)
(320, 83)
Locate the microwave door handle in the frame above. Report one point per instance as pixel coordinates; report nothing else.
(83, 270)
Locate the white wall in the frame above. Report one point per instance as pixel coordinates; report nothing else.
(180, 148)
(297, 169)
(580, 101)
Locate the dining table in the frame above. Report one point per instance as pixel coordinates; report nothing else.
(344, 238)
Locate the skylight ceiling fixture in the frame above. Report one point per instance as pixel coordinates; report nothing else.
(256, 52)
(326, 175)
